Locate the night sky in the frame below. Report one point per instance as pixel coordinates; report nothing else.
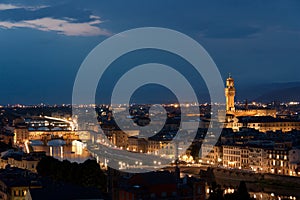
(43, 43)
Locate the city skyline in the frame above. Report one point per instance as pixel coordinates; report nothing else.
(121, 100)
(252, 40)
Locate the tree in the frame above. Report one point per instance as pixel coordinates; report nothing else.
(242, 191)
(87, 174)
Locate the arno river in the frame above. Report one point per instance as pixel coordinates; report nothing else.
(75, 153)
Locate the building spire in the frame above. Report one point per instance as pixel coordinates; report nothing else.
(229, 75)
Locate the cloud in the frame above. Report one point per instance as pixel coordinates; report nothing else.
(12, 7)
(7, 6)
(62, 19)
(62, 26)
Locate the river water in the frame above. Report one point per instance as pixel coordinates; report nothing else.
(76, 153)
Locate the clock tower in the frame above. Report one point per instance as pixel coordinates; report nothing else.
(230, 93)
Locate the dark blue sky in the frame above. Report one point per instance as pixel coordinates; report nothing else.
(44, 42)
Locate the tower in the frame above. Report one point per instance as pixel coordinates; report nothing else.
(230, 93)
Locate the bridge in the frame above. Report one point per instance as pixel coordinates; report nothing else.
(45, 136)
(45, 123)
(45, 128)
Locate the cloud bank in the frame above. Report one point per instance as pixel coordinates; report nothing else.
(41, 18)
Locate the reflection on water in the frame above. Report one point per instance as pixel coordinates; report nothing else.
(263, 195)
(266, 192)
(73, 153)
(271, 196)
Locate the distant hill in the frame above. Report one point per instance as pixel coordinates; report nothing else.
(284, 92)
(284, 95)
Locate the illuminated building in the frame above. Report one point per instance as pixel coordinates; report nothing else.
(15, 183)
(232, 156)
(277, 159)
(214, 154)
(278, 162)
(21, 134)
(136, 144)
(263, 120)
(118, 138)
(230, 92)
(22, 161)
(44, 129)
(268, 123)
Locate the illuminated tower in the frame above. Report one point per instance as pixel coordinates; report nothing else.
(230, 93)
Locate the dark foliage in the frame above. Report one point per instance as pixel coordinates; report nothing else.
(87, 174)
(195, 149)
(5, 147)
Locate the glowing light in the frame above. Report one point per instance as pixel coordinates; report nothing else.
(26, 146)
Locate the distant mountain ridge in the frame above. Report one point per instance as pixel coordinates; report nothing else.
(284, 95)
(283, 92)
